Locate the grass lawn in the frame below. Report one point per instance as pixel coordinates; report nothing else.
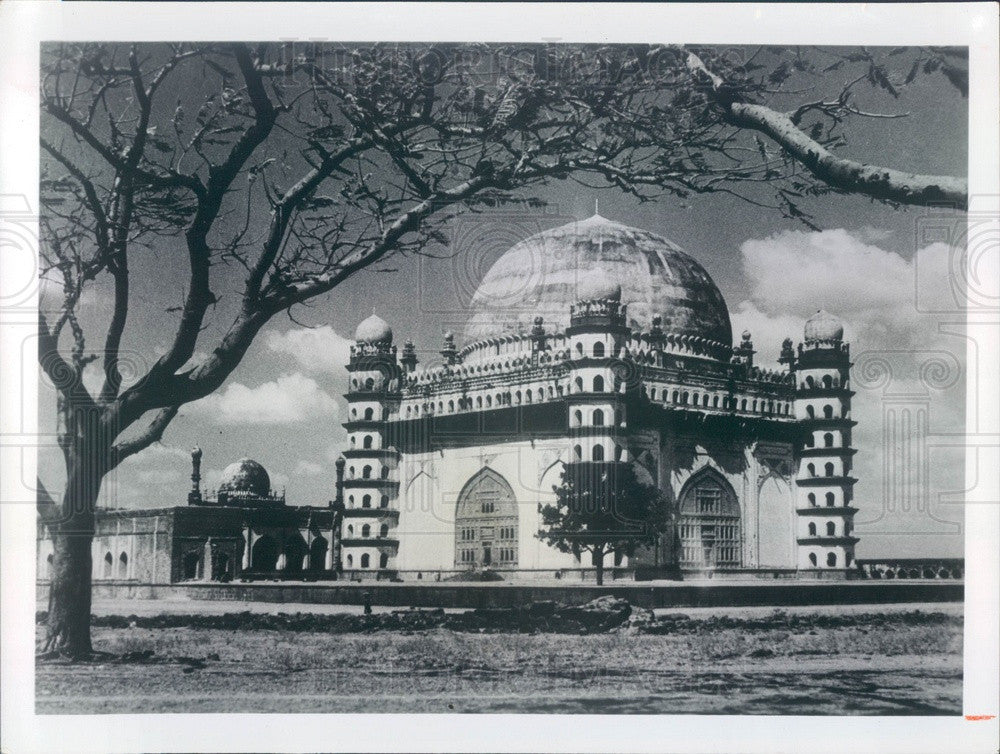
(899, 661)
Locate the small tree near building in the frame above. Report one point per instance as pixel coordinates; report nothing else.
(601, 508)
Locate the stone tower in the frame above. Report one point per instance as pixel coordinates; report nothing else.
(824, 482)
(371, 483)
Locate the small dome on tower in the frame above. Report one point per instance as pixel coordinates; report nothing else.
(823, 326)
(373, 330)
(246, 477)
(598, 287)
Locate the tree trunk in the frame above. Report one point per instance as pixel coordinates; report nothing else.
(72, 533)
(598, 560)
(68, 628)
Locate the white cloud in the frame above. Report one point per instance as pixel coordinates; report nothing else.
(886, 303)
(308, 468)
(290, 398)
(316, 350)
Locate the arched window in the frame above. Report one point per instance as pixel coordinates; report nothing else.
(366, 501)
(123, 566)
(597, 453)
(578, 418)
(577, 453)
(715, 402)
(704, 400)
(827, 381)
(366, 472)
(489, 401)
(451, 407)
(479, 401)
(598, 384)
(385, 472)
(828, 411)
(369, 413)
(809, 381)
(350, 530)
(812, 498)
(365, 560)
(369, 384)
(383, 560)
(367, 442)
(812, 559)
(828, 440)
(710, 528)
(831, 529)
(673, 396)
(743, 405)
(383, 501)
(383, 530)
(598, 350)
(811, 468)
(598, 417)
(810, 412)
(812, 530)
(831, 559)
(486, 506)
(109, 563)
(366, 531)
(350, 561)
(354, 441)
(579, 349)
(830, 500)
(527, 396)
(828, 468)
(810, 441)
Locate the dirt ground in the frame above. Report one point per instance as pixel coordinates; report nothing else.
(902, 659)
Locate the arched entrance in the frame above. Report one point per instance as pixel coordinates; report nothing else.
(317, 554)
(711, 532)
(295, 552)
(189, 565)
(264, 556)
(486, 523)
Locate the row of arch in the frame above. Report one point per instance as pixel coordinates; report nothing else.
(831, 560)
(366, 531)
(111, 567)
(366, 501)
(828, 412)
(366, 472)
(831, 500)
(827, 382)
(365, 560)
(831, 529)
(266, 551)
(829, 469)
(829, 441)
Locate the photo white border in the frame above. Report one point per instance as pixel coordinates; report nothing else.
(23, 24)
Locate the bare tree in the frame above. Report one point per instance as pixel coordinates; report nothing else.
(298, 168)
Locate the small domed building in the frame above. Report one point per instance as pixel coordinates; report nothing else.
(243, 530)
(596, 342)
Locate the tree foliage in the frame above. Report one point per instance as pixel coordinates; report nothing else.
(602, 508)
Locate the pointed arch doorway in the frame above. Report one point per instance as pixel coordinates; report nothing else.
(711, 531)
(486, 523)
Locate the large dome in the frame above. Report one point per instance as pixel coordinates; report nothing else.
(546, 273)
(247, 477)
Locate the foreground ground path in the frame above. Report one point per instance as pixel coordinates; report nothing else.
(888, 659)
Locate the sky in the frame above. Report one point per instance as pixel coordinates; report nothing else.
(886, 272)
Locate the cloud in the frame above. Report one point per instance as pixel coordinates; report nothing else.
(289, 399)
(308, 468)
(315, 350)
(888, 305)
